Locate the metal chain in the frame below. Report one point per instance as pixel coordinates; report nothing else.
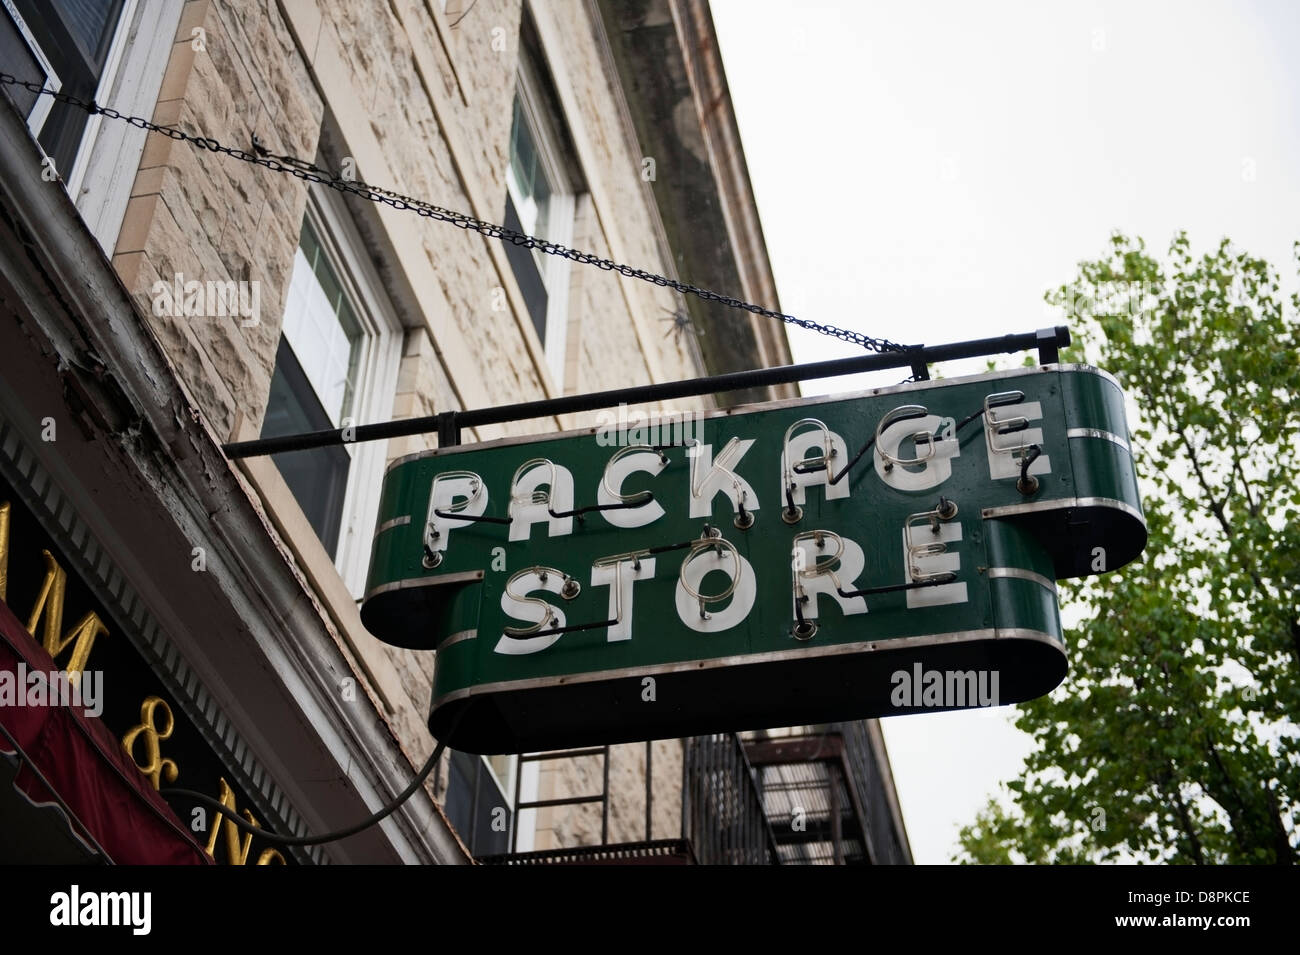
(304, 170)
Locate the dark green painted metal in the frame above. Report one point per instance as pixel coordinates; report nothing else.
(585, 689)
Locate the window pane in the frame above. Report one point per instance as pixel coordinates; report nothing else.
(516, 164)
(323, 329)
(329, 283)
(500, 766)
(528, 177)
(475, 807)
(318, 477)
(89, 24)
(523, 154)
(542, 200)
(309, 245)
(524, 265)
(349, 361)
(20, 61)
(295, 304)
(75, 36)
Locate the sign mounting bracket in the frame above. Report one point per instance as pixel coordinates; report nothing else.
(448, 425)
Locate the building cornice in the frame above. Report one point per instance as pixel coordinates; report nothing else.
(671, 71)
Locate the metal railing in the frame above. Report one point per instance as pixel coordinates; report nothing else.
(861, 758)
(601, 797)
(727, 811)
(722, 807)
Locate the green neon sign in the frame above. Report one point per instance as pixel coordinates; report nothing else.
(805, 561)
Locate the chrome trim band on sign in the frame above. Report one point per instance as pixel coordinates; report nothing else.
(903, 643)
(1091, 370)
(1061, 504)
(1098, 433)
(395, 522)
(465, 577)
(1017, 573)
(457, 637)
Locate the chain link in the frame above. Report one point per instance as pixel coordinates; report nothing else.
(302, 169)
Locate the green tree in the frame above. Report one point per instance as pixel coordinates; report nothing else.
(1174, 737)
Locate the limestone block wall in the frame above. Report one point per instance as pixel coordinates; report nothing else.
(420, 100)
(208, 217)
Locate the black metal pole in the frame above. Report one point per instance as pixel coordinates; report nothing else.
(448, 424)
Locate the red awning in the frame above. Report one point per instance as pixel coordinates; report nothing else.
(69, 760)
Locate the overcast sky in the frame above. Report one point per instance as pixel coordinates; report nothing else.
(925, 171)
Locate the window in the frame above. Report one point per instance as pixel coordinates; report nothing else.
(112, 51)
(479, 800)
(24, 57)
(70, 42)
(335, 366)
(540, 202)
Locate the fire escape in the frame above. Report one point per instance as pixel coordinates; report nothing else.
(807, 796)
(826, 796)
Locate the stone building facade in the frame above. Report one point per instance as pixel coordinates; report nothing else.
(601, 125)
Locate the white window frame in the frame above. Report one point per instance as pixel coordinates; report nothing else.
(41, 108)
(108, 157)
(560, 215)
(375, 388)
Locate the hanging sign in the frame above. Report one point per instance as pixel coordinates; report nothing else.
(796, 562)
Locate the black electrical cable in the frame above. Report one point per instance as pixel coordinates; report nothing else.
(244, 826)
(302, 169)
